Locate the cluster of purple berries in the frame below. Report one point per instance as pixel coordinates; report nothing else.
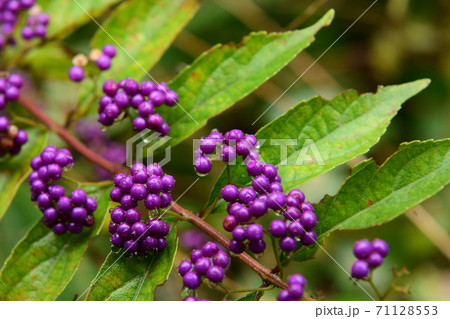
(209, 262)
(61, 213)
(130, 232)
(9, 16)
(147, 183)
(299, 222)
(11, 138)
(36, 26)
(233, 143)
(144, 98)
(370, 255)
(128, 229)
(294, 292)
(102, 59)
(265, 193)
(9, 89)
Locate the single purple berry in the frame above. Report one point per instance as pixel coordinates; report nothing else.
(254, 168)
(131, 246)
(138, 230)
(284, 295)
(116, 240)
(210, 249)
(128, 202)
(116, 194)
(64, 204)
(247, 195)
(229, 223)
(255, 232)
(155, 169)
(132, 216)
(257, 247)
(208, 145)
(239, 234)
(380, 246)
(362, 249)
(360, 269)
(76, 73)
(288, 243)
(278, 228)
(296, 229)
(375, 259)
(309, 238)
(297, 279)
(154, 184)
(202, 165)
(191, 280)
(215, 274)
(196, 254)
(110, 87)
(138, 192)
(78, 197)
(229, 193)
(184, 267)
(168, 182)
(261, 184)
(276, 200)
(78, 214)
(236, 247)
(228, 154)
(109, 50)
(152, 201)
(59, 228)
(295, 292)
(291, 213)
(74, 228)
(103, 62)
(258, 208)
(201, 265)
(221, 259)
(124, 230)
(308, 220)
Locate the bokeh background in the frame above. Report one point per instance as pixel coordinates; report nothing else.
(396, 41)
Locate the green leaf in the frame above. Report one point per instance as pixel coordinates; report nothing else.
(42, 263)
(374, 195)
(248, 297)
(145, 29)
(14, 170)
(135, 278)
(339, 130)
(227, 73)
(68, 15)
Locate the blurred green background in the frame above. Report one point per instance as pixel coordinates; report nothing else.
(396, 41)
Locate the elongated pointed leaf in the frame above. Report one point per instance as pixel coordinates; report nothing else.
(374, 195)
(14, 170)
(68, 15)
(319, 134)
(42, 263)
(248, 297)
(226, 73)
(145, 29)
(135, 278)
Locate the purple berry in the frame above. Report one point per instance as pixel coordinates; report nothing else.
(74, 228)
(309, 238)
(184, 267)
(210, 249)
(110, 87)
(247, 195)
(255, 232)
(239, 234)
(138, 192)
(76, 73)
(308, 220)
(288, 243)
(228, 154)
(78, 197)
(59, 228)
(276, 200)
(215, 274)
(296, 229)
(362, 249)
(261, 184)
(109, 50)
(360, 269)
(152, 201)
(103, 62)
(168, 182)
(131, 246)
(116, 194)
(208, 145)
(202, 165)
(127, 202)
(191, 280)
(278, 228)
(297, 279)
(221, 259)
(201, 265)
(257, 247)
(124, 230)
(236, 247)
(116, 240)
(78, 214)
(154, 184)
(375, 259)
(284, 295)
(229, 223)
(132, 216)
(380, 246)
(229, 193)
(196, 254)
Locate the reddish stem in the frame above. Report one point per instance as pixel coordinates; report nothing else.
(265, 273)
(69, 138)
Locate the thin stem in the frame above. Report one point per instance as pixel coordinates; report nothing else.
(205, 213)
(240, 291)
(277, 256)
(69, 138)
(265, 273)
(375, 289)
(27, 121)
(70, 180)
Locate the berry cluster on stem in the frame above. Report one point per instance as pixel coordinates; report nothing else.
(209, 262)
(102, 59)
(370, 255)
(128, 227)
(61, 213)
